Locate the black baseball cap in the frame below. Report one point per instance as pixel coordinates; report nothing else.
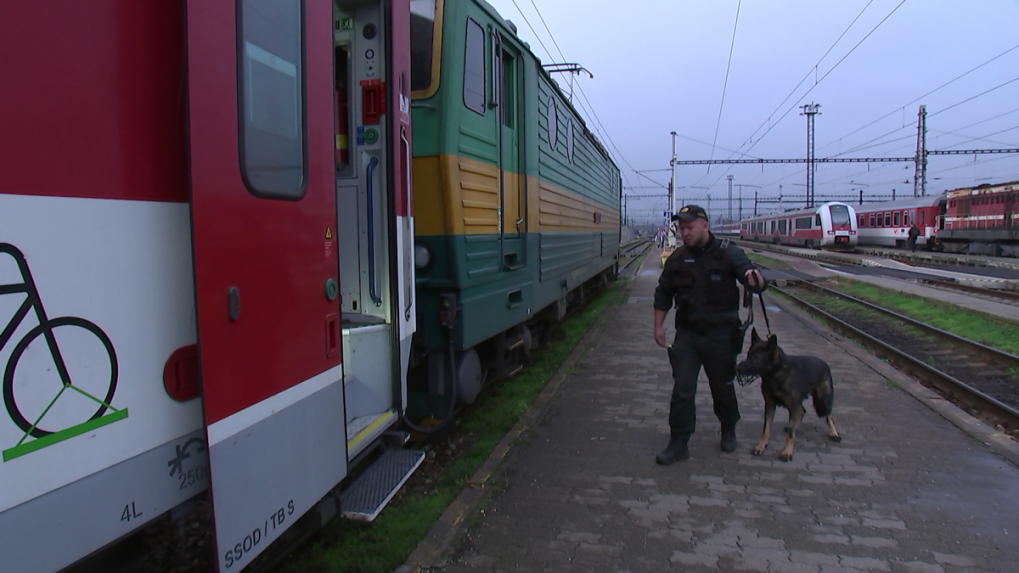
(689, 213)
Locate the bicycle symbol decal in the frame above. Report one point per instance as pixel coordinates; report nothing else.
(81, 410)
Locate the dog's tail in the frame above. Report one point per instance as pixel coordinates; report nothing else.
(824, 395)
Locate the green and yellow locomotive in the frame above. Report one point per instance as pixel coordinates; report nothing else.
(516, 202)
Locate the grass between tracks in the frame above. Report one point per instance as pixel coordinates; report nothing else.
(353, 547)
(767, 261)
(972, 325)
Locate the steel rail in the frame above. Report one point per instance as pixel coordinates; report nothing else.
(983, 291)
(915, 366)
(1010, 360)
(637, 256)
(948, 284)
(631, 243)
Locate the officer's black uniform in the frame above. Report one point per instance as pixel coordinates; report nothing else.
(703, 284)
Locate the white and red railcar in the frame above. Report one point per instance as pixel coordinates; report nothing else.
(828, 226)
(175, 240)
(887, 224)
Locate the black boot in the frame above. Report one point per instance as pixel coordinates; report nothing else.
(675, 451)
(728, 438)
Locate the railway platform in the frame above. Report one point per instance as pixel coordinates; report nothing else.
(939, 258)
(915, 486)
(1002, 278)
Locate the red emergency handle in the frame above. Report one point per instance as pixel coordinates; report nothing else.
(373, 103)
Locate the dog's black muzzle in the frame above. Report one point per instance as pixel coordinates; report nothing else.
(746, 374)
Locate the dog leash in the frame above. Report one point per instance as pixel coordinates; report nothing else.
(748, 303)
(764, 311)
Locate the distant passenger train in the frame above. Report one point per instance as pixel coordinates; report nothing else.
(827, 226)
(979, 220)
(887, 224)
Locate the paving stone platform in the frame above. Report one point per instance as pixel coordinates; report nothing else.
(905, 491)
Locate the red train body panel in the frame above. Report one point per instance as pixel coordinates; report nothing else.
(982, 220)
(174, 234)
(887, 224)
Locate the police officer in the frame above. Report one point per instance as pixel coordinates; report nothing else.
(701, 277)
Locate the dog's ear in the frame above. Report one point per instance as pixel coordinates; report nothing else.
(773, 341)
(754, 338)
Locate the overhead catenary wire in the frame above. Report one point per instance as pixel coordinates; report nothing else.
(984, 138)
(939, 112)
(591, 112)
(725, 84)
(944, 85)
(816, 83)
(813, 70)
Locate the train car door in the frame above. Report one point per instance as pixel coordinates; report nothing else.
(505, 98)
(261, 157)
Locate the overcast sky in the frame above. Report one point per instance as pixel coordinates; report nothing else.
(660, 66)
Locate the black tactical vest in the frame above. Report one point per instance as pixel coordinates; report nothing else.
(703, 286)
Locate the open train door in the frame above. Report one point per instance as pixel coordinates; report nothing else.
(260, 113)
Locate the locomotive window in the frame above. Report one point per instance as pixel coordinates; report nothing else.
(840, 215)
(896, 216)
(817, 220)
(871, 220)
(921, 217)
(773, 226)
(782, 227)
(803, 223)
(270, 64)
(422, 49)
(905, 219)
(474, 67)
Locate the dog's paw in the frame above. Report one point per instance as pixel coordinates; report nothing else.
(835, 438)
(757, 451)
(784, 457)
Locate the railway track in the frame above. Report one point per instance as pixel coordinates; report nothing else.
(634, 251)
(991, 294)
(983, 380)
(947, 284)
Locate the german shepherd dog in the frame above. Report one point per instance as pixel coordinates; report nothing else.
(787, 381)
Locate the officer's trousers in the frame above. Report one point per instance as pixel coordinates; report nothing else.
(711, 348)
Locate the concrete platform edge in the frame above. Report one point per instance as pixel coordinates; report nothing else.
(438, 542)
(981, 432)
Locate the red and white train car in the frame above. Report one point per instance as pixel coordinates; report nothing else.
(175, 239)
(887, 224)
(982, 220)
(827, 226)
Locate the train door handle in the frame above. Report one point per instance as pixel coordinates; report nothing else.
(515, 298)
(332, 335)
(369, 176)
(233, 303)
(408, 249)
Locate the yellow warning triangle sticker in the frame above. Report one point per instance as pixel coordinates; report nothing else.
(329, 232)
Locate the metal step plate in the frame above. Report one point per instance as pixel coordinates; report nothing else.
(371, 492)
(363, 431)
